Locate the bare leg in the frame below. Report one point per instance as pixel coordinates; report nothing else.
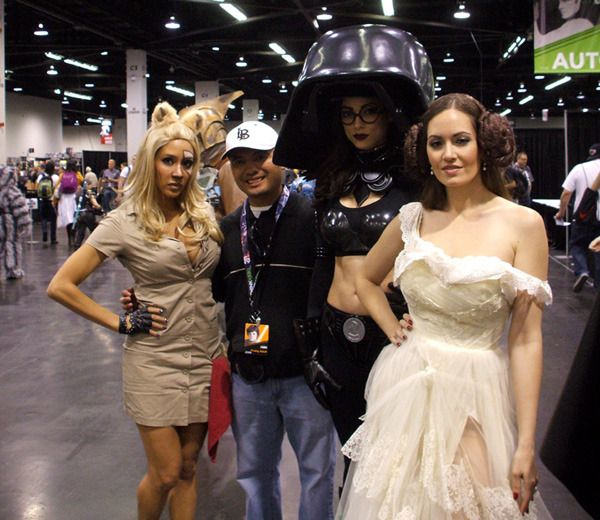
(163, 453)
(183, 497)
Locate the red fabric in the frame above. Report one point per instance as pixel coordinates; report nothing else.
(219, 404)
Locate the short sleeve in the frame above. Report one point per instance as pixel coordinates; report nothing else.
(515, 281)
(108, 237)
(569, 182)
(409, 216)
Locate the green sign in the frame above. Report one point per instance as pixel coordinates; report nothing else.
(576, 54)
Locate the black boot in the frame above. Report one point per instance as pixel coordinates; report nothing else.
(44, 237)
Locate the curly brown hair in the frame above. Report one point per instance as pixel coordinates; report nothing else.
(495, 140)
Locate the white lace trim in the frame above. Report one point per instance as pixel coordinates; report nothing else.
(468, 269)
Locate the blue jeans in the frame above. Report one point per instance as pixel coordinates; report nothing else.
(581, 236)
(261, 414)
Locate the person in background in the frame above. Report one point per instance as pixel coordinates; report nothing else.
(125, 171)
(85, 214)
(521, 180)
(90, 178)
(166, 236)
(15, 221)
(582, 176)
(45, 193)
(68, 184)
(108, 183)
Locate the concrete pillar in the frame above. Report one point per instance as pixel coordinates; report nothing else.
(2, 89)
(206, 90)
(137, 102)
(250, 112)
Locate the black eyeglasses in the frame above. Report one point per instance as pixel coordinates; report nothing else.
(368, 114)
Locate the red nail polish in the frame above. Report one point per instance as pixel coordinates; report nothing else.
(515, 495)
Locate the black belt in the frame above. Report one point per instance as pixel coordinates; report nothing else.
(360, 337)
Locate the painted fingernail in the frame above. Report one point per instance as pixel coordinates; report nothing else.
(515, 495)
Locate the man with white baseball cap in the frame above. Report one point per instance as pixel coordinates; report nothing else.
(263, 277)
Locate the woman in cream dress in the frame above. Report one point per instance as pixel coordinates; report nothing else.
(449, 431)
(166, 236)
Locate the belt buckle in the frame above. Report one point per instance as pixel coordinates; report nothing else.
(354, 329)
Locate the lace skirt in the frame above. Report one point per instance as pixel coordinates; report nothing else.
(438, 437)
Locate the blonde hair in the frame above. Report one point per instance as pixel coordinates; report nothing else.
(142, 191)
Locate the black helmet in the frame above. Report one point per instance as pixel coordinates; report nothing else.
(379, 60)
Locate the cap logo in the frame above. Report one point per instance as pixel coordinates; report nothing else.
(242, 134)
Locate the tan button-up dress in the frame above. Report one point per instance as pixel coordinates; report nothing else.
(166, 379)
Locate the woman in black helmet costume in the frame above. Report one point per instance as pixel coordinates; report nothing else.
(360, 89)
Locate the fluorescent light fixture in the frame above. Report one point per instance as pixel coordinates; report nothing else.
(172, 23)
(580, 95)
(560, 102)
(104, 53)
(216, 49)
(585, 109)
(497, 103)
(233, 11)
(324, 15)
(81, 64)
(266, 80)
(505, 112)
(57, 91)
(387, 6)
(40, 31)
(598, 86)
(53, 55)
(526, 99)
(513, 48)
(65, 101)
(522, 88)
(76, 123)
(231, 106)
(461, 12)
(180, 90)
(89, 85)
(440, 78)
(76, 95)
(316, 23)
(289, 58)
(169, 82)
(282, 88)
(277, 48)
(123, 105)
(147, 75)
(558, 82)
(52, 71)
(509, 96)
(437, 87)
(240, 62)
(448, 58)
(102, 104)
(106, 122)
(539, 76)
(18, 89)
(94, 120)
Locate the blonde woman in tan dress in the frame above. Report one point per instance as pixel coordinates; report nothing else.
(166, 236)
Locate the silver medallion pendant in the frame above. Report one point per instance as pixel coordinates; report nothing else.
(353, 329)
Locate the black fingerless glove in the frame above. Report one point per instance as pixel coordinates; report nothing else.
(307, 334)
(139, 320)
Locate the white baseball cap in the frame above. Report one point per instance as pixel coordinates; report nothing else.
(251, 134)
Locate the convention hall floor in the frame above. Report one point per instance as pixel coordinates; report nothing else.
(67, 451)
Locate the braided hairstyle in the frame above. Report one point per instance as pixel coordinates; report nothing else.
(495, 141)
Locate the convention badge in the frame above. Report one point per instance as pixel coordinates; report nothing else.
(256, 339)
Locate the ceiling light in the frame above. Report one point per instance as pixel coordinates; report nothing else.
(558, 82)
(289, 58)
(52, 71)
(277, 48)
(509, 96)
(539, 76)
(53, 55)
(316, 23)
(505, 112)
(123, 105)
(497, 103)
(76, 95)
(585, 109)
(65, 101)
(324, 15)
(282, 88)
(180, 90)
(104, 53)
(147, 75)
(89, 85)
(18, 89)
(440, 78)
(240, 62)
(102, 104)
(522, 88)
(233, 11)
(437, 87)
(172, 23)
(580, 95)
(267, 80)
(215, 48)
(231, 106)
(57, 91)
(513, 48)
(526, 99)
(76, 123)
(94, 120)
(295, 83)
(169, 82)
(40, 31)
(448, 58)
(261, 116)
(598, 86)
(560, 102)
(81, 64)
(388, 7)
(461, 12)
